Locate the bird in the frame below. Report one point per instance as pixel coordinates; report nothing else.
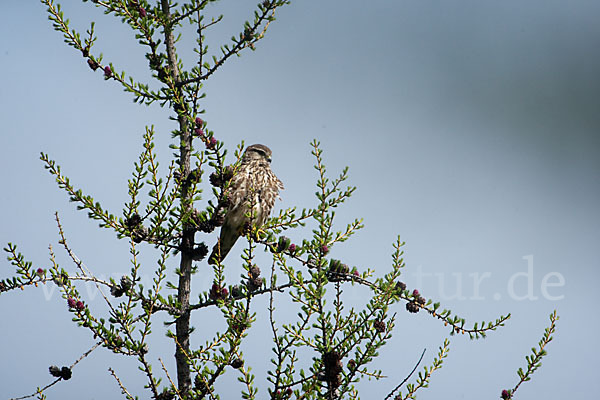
(251, 195)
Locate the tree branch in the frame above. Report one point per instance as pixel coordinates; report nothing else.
(407, 378)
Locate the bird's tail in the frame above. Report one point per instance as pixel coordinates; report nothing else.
(223, 246)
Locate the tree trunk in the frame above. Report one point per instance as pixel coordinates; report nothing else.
(182, 326)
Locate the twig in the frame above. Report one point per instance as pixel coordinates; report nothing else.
(84, 270)
(40, 391)
(407, 378)
(185, 15)
(535, 361)
(239, 45)
(123, 389)
(169, 378)
(84, 355)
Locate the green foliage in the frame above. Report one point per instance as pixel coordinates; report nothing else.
(534, 361)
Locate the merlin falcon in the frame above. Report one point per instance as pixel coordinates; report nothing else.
(251, 195)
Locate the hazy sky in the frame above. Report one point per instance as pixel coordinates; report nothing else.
(471, 128)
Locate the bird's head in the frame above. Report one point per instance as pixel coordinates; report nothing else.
(257, 152)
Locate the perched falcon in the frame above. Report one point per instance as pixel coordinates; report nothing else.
(252, 190)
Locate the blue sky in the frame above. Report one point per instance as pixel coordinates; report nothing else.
(471, 128)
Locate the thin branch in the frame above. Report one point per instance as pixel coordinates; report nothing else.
(239, 45)
(87, 353)
(407, 378)
(534, 361)
(169, 378)
(40, 391)
(185, 15)
(123, 389)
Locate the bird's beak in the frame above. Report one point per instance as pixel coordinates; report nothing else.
(269, 160)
